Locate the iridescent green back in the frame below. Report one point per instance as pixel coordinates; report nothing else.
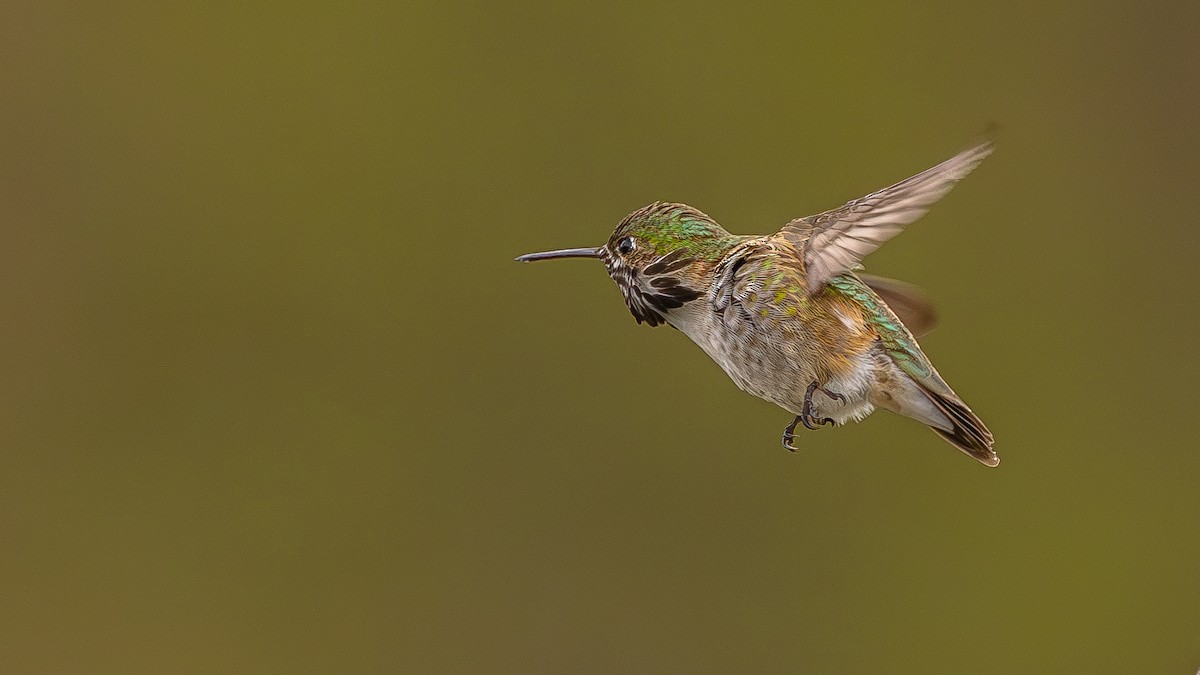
(895, 336)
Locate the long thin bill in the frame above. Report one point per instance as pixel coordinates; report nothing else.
(564, 253)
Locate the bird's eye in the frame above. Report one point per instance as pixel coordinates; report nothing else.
(625, 246)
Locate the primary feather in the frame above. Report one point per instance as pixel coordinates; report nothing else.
(836, 241)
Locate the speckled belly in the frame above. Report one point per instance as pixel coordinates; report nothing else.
(780, 372)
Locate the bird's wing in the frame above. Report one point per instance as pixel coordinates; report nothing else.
(966, 431)
(836, 241)
(909, 302)
(895, 338)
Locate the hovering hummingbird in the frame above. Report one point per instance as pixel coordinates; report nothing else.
(789, 316)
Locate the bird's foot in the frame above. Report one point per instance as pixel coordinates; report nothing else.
(789, 435)
(833, 395)
(815, 423)
(806, 416)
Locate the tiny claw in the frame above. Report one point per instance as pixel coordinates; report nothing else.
(833, 395)
(789, 435)
(826, 421)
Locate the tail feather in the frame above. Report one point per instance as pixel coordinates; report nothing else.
(969, 433)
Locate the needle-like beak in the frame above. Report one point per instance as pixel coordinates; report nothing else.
(564, 253)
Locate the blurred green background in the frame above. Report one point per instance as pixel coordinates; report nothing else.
(277, 400)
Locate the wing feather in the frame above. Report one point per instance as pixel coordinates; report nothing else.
(909, 302)
(836, 241)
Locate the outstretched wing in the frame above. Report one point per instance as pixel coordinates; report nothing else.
(836, 241)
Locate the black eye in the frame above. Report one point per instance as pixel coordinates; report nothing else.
(625, 246)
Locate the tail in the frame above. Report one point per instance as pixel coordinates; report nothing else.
(967, 432)
(932, 402)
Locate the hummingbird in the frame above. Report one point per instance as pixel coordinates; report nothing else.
(790, 316)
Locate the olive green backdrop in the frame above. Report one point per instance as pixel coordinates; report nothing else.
(275, 398)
